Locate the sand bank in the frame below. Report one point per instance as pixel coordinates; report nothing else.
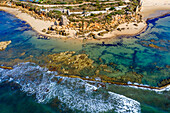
(128, 29)
(37, 24)
(154, 8)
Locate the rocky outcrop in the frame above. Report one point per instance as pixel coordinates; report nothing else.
(64, 21)
(4, 44)
(69, 63)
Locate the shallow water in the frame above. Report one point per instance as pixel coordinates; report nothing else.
(128, 53)
(25, 42)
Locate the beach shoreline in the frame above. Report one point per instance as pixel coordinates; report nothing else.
(38, 25)
(35, 24)
(149, 10)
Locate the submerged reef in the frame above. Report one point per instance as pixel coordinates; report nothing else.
(69, 62)
(80, 65)
(156, 44)
(164, 82)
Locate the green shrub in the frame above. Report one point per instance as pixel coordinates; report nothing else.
(135, 24)
(118, 29)
(112, 8)
(44, 30)
(48, 32)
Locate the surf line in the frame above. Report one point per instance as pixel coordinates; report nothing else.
(135, 85)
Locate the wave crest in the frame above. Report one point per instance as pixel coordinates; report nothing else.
(76, 93)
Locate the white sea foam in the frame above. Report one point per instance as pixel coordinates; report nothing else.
(75, 93)
(167, 88)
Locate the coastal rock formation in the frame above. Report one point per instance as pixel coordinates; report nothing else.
(3, 45)
(156, 44)
(64, 21)
(69, 62)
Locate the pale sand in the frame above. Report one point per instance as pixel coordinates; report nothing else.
(154, 8)
(148, 7)
(39, 25)
(36, 24)
(3, 45)
(129, 29)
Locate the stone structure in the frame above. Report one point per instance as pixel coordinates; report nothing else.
(64, 21)
(126, 1)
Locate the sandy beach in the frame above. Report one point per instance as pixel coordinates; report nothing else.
(38, 25)
(149, 9)
(154, 8)
(130, 29)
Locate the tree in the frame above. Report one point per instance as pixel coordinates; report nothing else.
(83, 24)
(97, 2)
(120, 12)
(69, 7)
(31, 9)
(112, 8)
(80, 25)
(75, 24)
(120, 3)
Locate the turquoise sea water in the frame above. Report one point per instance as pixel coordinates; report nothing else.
(128, 53)
(135, 54)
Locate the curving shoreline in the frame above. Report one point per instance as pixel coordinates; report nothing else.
(36, 24)
(148, 10)
(135, 85)
(39, 25)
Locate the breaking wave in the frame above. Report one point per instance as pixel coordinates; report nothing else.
(75, 93)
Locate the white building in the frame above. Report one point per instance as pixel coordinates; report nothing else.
(120, 7)
(107, 8)
(61, 10)
(95, 12)
(43, 10)
(76, 13)
(126, 1)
